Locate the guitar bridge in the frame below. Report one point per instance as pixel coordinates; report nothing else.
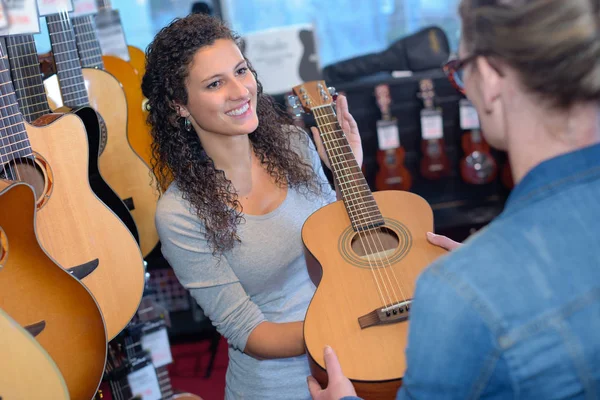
(392, 314)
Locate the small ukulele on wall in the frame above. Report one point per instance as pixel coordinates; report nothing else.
(478, 166)
(392, 174)
(434, 164)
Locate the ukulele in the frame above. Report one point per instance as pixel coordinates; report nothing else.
(478, 166)
(78, 230)
(392, 174)
(434, 164)
(27, 370)
(35, 289)
(364, 254)
(122, 169)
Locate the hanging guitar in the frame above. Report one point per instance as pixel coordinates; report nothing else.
(478, 166)
(364, 254)
(434, 162)
(27, 371)
(392, 174)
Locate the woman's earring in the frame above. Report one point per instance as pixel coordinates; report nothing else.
(187, 124)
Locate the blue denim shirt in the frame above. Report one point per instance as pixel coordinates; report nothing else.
(515, 312)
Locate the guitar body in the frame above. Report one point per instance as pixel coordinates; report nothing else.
(137, 58)
(122, 169)
(186, 396)
(478, 166)
(372, 358)
(117, 282)
(392, 174)
(138, 131)
(434, 162)
(34, 288)
(31, 373)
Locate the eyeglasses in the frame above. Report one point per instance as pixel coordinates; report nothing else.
(454, 70)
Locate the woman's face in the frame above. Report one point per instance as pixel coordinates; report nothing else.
(222, 92)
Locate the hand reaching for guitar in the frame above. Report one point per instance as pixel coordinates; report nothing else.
(442, 241)
(339, 386)
(350, 129)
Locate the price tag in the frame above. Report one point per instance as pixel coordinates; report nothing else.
(50, 7)
(157, 343)
(387, 135)
(468, 116)
(84, 7)
(432, 124)
(144, 382)
(19, 18)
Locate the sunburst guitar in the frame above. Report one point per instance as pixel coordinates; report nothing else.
(364, 253)
(31, 372)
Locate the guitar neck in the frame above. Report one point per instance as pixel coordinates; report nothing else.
(27, 77)
(14, 142)
(164, 382)
(358, 199)
(68, 66)
(90, 52)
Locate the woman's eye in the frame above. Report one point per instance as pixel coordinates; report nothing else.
(214, 85)
(242, 70)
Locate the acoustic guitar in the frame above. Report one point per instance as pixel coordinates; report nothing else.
(477, 166)
(392, 174)
(23, 58)
(75, 87)
(364, 254)
(74, 226)
(26, 370)
(434, 162)
(34, 288)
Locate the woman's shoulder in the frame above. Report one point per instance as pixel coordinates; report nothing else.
(172, 207)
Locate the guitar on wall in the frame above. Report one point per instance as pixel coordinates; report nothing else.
(478, 166)
(434, 162)
(37, 291)
(31, 372)
(364, 255)
(77, 229)
(392, 174)
(122, 169)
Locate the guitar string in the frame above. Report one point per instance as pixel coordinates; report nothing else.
(369, 233)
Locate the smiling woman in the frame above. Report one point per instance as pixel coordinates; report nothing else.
(245, 180)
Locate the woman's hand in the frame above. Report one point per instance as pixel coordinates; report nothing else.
(349, 127)
(442, 241)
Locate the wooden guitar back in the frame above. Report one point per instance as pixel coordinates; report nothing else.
(76, 228)
(27, 371)
(137, 59)
(350, 286)
(36, 289)
(122, 169)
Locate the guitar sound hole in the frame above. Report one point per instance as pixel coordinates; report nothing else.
(34, 171)
(3, 248)
(375, 243)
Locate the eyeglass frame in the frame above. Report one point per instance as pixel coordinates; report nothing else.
(453, 65)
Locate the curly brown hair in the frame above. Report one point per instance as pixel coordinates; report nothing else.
(178, 154)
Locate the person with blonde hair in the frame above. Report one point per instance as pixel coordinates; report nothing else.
(515, 311)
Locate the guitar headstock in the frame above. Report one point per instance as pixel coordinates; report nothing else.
(426, 92)
(312, 94)
(383, 98)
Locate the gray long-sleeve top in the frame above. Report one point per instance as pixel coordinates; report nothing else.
(264, 278)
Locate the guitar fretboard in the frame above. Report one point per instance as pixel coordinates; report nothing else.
(68, 67)
(14, 142)
(358, 199)
(90, 52)
(27, 76)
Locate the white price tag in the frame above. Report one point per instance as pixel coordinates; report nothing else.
(432, 124)
(84, 7)
(468, 116)
(144, 382)
(22, 18)
(157, 343)
(50, 7)
(387, 135)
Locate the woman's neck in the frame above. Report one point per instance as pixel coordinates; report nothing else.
(535, 135)
(229, 153)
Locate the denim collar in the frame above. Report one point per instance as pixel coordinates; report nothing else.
(551, 175)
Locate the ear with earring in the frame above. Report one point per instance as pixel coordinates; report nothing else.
(187, 125)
